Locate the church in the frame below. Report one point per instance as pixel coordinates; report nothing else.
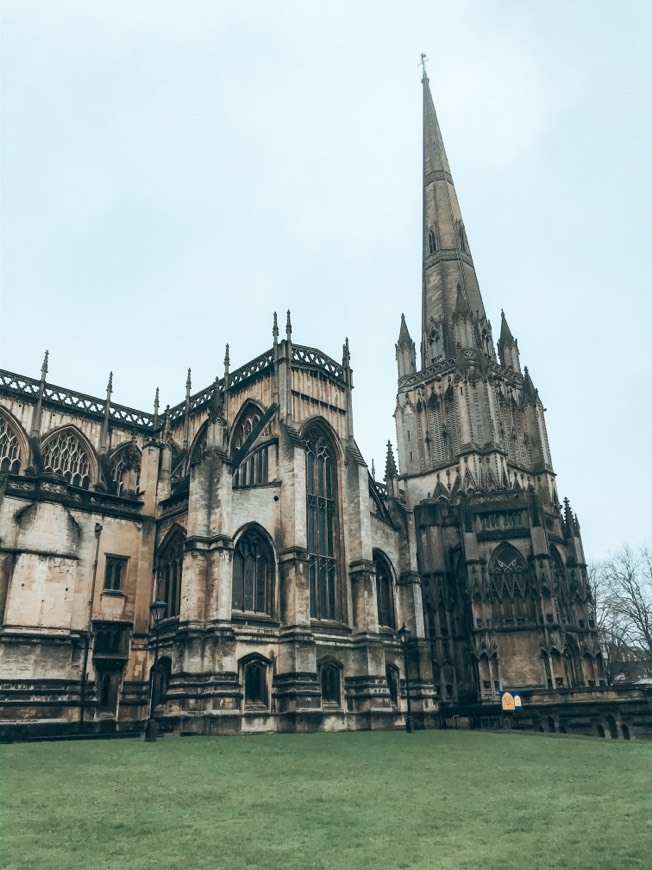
(294, 591)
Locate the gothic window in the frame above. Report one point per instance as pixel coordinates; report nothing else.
(253, 573)
(462, 239)
(64, 454)
(436, 345)
(384, 592)
(432, 242)
(114, 573)
(125, 467)
(255, 683)
(169, 566)
(321, 516)
(10, 459)
(254, 469)
(331, 691)
(512, 599)
(393, 683)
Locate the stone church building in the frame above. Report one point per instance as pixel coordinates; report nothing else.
(286, 567)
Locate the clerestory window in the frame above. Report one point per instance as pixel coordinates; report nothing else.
(64, 454)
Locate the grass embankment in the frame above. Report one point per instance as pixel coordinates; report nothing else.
(370, 800)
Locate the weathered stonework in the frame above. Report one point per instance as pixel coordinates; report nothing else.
(286, 568)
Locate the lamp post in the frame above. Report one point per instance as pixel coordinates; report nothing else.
(404, 634)
(157, 609)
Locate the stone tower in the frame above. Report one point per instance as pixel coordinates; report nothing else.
(505, 586)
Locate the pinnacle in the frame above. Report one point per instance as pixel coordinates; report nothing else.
(390, 463)
(404, 338)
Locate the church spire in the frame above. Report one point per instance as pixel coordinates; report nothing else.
(448, 270)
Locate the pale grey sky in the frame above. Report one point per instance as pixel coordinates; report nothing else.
(173, 172)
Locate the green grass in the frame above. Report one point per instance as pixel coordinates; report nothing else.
(436, 799)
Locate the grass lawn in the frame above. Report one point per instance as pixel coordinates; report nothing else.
(440, 799)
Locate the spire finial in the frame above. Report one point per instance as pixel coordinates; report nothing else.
(227, 358)
(346, 354)
(188, 382)
(156, 402)
(109, 386)
(373, 470)
(288, 325)
(44, 367)
(275, 328)
(422, 64)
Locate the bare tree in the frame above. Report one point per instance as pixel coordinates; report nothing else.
(622, 589)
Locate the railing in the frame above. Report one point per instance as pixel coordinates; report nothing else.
(309, 358)
(53, 395)
(240, 376)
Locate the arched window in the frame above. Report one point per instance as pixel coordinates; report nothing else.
(254, 469)
(384, 592)
(255, 683)
(125, 467)
(321, 516)
(331, 691)
(64, 454)
(436, 345)
(462, 239)
(432, 242)
(393, 683)
(253, 574)
(169, 566)
(10, 458)
(512, 598)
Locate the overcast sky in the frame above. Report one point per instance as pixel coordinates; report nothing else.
(173, 172)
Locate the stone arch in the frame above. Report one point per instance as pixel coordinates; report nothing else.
(612, 726)
(14, 445)
(253, 577)
(67, 452)
(254, 671)
(331, 680)
(511, 592)
(249, 415)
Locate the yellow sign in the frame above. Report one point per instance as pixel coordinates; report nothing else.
(508, 702)
(517, 701)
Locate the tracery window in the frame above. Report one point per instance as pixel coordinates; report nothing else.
(169, 567)
(254, 469)
(384, 592)
(9, 447)
(253, 573)
(321, 516)
(331, 691)
(432, 242)
(125, 467)
(65, 454)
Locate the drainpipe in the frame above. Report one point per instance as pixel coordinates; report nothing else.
(84, 676)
